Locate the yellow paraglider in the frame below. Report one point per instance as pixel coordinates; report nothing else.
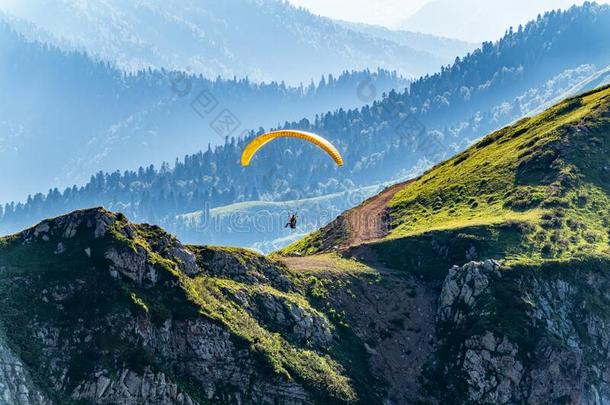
(262, 140)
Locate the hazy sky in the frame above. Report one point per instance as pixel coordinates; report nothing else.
(471, 20)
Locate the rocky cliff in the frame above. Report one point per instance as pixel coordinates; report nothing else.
(97, 309)
(525, 335)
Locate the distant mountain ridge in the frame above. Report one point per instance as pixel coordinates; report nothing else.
(75, 116)
(447, 48)
(267, 40)
(463, 19)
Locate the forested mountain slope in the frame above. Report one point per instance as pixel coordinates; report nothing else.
(390, 139)
(447, 48)
(75, 116)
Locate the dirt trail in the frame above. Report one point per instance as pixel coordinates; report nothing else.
(365, 223)
(393, 315)
(315, 263)
(369, 221)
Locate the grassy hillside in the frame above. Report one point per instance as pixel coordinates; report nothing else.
(534, 191)
(548, 171)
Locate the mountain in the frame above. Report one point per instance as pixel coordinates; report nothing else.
(267, 40)
(548, 164)
(104, 311)
(391, 139)
(463, 19)
(75, 116)
(484, 280)
(447, 48)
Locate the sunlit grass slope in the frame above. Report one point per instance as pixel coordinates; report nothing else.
(534, 191)
(551, 171)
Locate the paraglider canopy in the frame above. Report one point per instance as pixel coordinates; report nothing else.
(262, 140)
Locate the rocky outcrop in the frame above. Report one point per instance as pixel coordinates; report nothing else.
(462, 287)
(133, 265)
(186, 260)
(546, 355)
(115, 324)
(248, 267)
(98, 220)
(493, 372)
(16, 384)
(572, 310)
(304, 323)
(129, 388)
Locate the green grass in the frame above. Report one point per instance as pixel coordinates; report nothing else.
(283, 359)
(506, 176)
(541, 172)
(537, 190)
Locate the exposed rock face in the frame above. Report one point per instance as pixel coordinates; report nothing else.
(185, 259)
(67, 225)
(250, 268)
(131, 388)
(555, 359)
(216, 362)
(305, 324)
(16, 384)
(492, 369)
(462, 287)
(130, 264)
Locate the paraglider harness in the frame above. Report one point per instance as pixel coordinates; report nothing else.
(292, 222)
